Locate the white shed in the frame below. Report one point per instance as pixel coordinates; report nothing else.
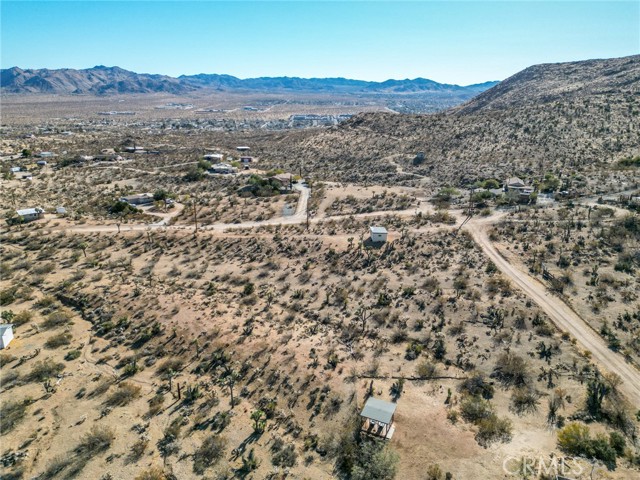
(378, 234)
(29, 214)
(6, 335)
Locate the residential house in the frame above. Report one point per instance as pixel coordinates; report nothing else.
(30, 214)
(513, 183)
(222, 168)
(285, 180)
(518, 190)
(138, 199)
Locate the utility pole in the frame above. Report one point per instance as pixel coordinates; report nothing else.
(195, 212)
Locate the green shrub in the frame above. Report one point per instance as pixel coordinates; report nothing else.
(23, 317)
(12, 413)
(153, 473)
(209, 453)
(474, 409)
(57, 319)
(44, 369)
(96, 440)
(477, 385)
(125, 394)
(575, 439)
(492, 429)
(72, 355)
(58, 340)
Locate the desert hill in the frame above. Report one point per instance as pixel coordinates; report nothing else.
(561, 81)
(563, 118)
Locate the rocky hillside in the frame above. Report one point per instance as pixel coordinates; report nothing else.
(561, 81)
(566, 118)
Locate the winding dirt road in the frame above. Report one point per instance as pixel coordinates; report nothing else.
(558, 311)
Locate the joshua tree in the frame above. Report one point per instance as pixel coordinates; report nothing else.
(229, 381)
(259, 421)
(363, 314)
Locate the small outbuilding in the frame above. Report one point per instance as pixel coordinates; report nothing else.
(377, 416)
(6, 335)
(378, 234)
(30, 214)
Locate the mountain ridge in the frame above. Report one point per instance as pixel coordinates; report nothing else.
(102, 80)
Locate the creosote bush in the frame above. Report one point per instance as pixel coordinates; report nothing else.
(125, 394)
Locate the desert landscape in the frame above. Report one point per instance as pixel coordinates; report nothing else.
(242, 284)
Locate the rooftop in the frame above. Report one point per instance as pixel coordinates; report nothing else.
(378, 410)
(138, 195)
(378, 229)
(4, 327)
(29, 211)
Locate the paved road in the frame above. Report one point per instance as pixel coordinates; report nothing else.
(558, 311)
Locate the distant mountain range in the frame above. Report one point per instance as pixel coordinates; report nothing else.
(101, 80)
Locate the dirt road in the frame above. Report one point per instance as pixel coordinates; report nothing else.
(565, 318)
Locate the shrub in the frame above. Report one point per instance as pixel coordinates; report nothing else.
(72, 355)
(97, 440)
(575, 439)
(285, 456)
(44, 370)
(58, 340)
(374, 461)
(474, 409)
(209, 453)
(493, 429)
(477, 385)
(426, 369)
(125, 394)
(57, 319)
(524, 400)
(511, 370)
(155, 404)
(12, 413)
(153, 473)
(23, 317)
(5, 359)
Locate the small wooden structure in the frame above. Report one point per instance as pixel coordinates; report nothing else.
(377, 416)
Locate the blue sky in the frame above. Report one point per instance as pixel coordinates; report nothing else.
(455, 41)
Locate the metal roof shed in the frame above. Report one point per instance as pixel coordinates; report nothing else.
(378, 416)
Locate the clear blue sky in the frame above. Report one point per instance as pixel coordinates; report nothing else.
(454, 42)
